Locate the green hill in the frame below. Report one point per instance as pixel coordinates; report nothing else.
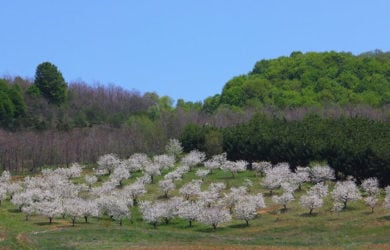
(310, 79)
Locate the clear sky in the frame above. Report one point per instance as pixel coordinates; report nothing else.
(181, 48)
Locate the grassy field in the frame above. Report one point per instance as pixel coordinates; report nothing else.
(354, 228)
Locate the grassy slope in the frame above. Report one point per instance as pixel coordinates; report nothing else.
(355, 228)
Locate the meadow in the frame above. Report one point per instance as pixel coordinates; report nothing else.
(355, 227)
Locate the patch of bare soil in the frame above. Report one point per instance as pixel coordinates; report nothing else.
(268, 209)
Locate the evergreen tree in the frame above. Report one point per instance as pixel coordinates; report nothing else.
(50, 82)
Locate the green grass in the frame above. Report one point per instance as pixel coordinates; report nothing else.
(354, 228)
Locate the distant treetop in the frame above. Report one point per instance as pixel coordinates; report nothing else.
(50, 82)
(310, 79)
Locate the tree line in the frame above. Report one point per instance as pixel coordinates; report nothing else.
(351, 145)
(47, 121)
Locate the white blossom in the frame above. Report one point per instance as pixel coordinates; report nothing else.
(193, 158)
(118, 210)
(135, 190)
(190, 189)
(202, 173)
(214, 216)
(386, 202)
(169, 208)
(337, 207)
(319, 189)
(247, 205)
(145, 179)
(108, 162)
(234, 167)
(215, 162)
(3, 193)
(289, 187)
(174, 148)
(151, 212)
(74, 170)
(90, 180)
(164, 161)
(209, 197)
(217, 187)
(321, 173)
(28, 211)
(138, 161)
(311, 201)
(5, 176)
(345, 191)
(248, 183)
(119, 174)
(48, 208)
(189, 210)
(88, 208)
(73, 208)
(371, 186)
(152, 170)
(276, 176)
(371, 202)
(174, 175)
(283, 199)
(234, 196)
(300, 176)
(166, 186)
(261, 167)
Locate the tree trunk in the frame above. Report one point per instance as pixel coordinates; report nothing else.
(86, 219)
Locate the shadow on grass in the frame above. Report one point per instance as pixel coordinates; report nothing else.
(46, 223)
(14, 210)
(384, 218)
(242, 225)
(350, 208)
(368, 213)
(307, 215)
(210, 230)
(279, 211)
(268, 194)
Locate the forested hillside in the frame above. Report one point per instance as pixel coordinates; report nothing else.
(330, 106)
(310, 79)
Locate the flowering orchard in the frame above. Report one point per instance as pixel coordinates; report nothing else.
(160, 189)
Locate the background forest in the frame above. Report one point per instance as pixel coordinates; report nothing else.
(330, 107)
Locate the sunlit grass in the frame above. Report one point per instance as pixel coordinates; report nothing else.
(354, 228)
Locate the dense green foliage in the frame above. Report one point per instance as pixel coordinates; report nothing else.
(51, 83)
(318, 79)
(352, 146)
(12, 105)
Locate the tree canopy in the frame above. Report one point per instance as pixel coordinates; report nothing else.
(51, 83)
(310, 79)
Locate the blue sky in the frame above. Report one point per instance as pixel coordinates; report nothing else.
(183, 49)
